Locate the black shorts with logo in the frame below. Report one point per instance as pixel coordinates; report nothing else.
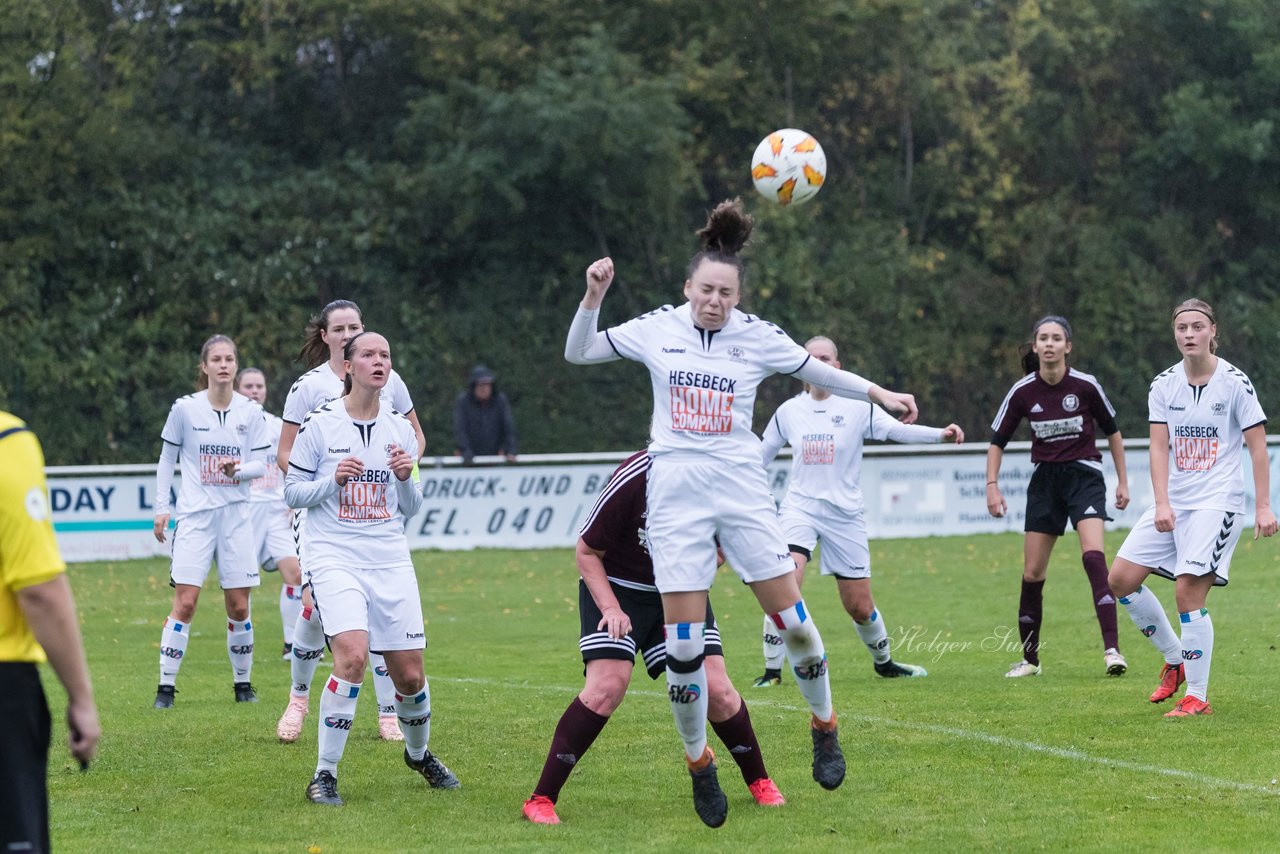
(1062, 491)
(644, 607)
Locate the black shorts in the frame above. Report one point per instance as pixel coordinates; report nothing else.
(644, 607)
(24, 760)
(1062, 491)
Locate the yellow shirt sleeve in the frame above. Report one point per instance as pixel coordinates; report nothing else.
(28, 549)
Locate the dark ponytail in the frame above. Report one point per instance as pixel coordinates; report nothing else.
(314, 350)
(1027, 351)
(726, 233)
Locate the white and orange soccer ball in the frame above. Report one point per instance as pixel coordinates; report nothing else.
(788, 167)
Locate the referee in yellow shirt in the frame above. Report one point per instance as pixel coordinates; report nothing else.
(37, 623)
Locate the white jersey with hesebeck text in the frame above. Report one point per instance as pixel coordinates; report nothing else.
(704, 383)
(826, 439)
(320, 385)
(1206, 424)
(207, 438)
(361, 524)
(269, 489)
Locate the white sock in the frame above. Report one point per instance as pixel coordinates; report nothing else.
(1197, 651)
(383, 688)
(687, 684)
(1148, 615)
(808, 658)
(308, 646)
(875, 637)
(415, 721)
(774, 651)
(173, 646)
(337, 711)
(290, 607)
(240, 649)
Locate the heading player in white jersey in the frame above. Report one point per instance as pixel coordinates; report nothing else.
(219, 439)
(326, 335)
(824, 502)
(353, 468)
(1201, 411)
(705, 360)
(272, 518)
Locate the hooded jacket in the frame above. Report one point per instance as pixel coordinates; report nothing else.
(483, 428)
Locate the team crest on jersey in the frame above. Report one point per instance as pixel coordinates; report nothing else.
(1220, 408)
(737, 354)
(1071, 403)
(242, 428)
(387, 448)
(837, 420)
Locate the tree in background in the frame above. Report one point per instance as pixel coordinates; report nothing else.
(171, 170)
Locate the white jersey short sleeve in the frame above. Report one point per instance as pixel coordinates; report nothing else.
(320, 385)
(704, 382)
(206, 439)
(361, 524)
(826, 439)
(1206, 426)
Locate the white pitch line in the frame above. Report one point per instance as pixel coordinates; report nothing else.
(1069, 753)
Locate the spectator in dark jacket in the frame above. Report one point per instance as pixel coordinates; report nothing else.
(482, 422)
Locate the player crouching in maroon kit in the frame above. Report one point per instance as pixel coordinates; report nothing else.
(621, 612)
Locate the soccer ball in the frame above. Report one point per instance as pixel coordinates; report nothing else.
(788, 167)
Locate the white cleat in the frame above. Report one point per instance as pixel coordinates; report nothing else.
(1023, 668)
(1116, 665)
(389, 728)
(290, 725)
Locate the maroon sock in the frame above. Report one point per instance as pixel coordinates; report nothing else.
(1030, 610)
(576, 731)
(1104, 601)
(740, 737)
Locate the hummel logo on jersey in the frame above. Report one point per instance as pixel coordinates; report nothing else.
(201, 429)
(1037, 408)
(339, 450)
(673, 349)
(1173, 408)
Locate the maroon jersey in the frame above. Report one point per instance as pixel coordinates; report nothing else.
(616, 525)
(1061, 417)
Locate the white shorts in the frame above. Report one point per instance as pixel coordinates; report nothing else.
(693, 499)
(224, 534)
(1202, 541)
(845, 553)
(272, 532)
(382, 602)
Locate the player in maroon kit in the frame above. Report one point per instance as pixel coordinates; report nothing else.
(1061, 404)
(621, 612)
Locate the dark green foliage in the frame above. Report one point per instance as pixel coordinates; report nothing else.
(167, 172)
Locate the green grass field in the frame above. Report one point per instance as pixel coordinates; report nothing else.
(961, 760)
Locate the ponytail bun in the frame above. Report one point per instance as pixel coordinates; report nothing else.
(728, 228)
